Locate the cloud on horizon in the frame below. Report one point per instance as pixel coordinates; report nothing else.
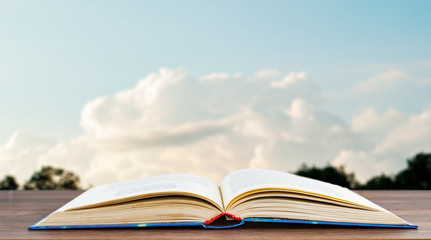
(171, 122)
(382, 81)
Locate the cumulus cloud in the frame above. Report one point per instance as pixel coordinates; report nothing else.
(289, 79)
(362, 163)
(266, 74)
(411, 137)
(371, 123)
(214, 77)
(22, 152)
(171, 122)
(393, 138)
(382, 81)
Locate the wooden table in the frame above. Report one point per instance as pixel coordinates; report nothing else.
(20, 209)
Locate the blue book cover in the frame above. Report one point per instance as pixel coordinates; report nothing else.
(227, 224)
(242, 222)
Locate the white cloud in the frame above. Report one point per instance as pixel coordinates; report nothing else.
(214, 77)
(408, 138)
(382, 81)
(366, 164)
(289, 79)
(300, 109)
(20, 156)
(362, 163)
(171, 122)
(393, 137)
(266, 74)
(372, 123)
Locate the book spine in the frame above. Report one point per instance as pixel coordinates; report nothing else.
(208, 222)
(227, 220)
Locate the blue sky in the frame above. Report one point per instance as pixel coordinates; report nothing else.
(58, 56)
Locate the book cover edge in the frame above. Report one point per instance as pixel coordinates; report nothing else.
(243, 221)
(272, 220)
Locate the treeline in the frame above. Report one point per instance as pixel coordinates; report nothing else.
(47, 178)
(417, 175)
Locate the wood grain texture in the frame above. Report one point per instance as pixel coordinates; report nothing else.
(20, 209)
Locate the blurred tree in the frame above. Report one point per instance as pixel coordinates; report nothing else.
(418, 173)
(50, 178)
(380, 182)
(8, 183)
(329, 174)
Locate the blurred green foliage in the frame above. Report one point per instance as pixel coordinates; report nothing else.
(380, 182)
(8, 183)
(335, 175)
(50, 178)
(417, 175)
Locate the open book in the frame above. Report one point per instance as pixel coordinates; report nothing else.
(250, 195)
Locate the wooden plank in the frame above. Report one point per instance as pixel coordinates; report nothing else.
(20, 209)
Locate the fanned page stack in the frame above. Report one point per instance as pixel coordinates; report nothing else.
(250, 195)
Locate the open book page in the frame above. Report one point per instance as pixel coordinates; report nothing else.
(246, 180)
(162, 185)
